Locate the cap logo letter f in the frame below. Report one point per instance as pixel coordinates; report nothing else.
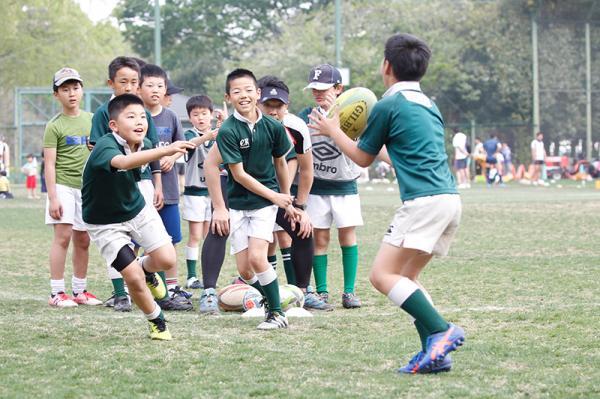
(318, 73)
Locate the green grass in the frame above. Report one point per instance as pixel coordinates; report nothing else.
(522, 278)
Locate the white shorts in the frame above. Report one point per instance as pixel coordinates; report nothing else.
(257, 223)
(427, 224)
(70, 199)
(343, 210)
(147, 189)
(196, 208)
(146, 229)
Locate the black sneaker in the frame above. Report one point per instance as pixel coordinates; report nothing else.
(122, 304)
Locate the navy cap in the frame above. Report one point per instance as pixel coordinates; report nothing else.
(274, 93)
(323, 76)
(172, 89)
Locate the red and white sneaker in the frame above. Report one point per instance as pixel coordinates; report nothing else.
(62, 300)
(86, 298)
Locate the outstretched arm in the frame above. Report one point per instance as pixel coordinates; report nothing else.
(140, 158)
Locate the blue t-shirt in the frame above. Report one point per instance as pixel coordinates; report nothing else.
(491, 146)
(168, 129)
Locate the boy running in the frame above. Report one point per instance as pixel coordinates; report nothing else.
(116, 213)
(409, 124)
(253, 147)
(65, 153)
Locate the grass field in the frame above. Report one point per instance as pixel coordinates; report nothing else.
(522, 278)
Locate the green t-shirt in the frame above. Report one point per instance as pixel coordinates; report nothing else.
(109, 195)
(255, 150)
(68, 135)
(412, 128)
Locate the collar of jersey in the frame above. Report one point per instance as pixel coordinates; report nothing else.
(121, 141)
(240, 118)
(399, 86)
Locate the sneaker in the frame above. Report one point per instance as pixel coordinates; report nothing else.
(159, 329)
(312, 301)
(324, 296)
(411, 367)
(86, 298)
(156, 285)
(175, 302)
(110, 302)
(178, 292)
(194, 283)
(438, 346)
(208, 302)
(62, 300)
(350, 300)
(273, 321)
(122, 303)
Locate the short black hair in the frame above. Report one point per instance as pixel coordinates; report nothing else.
(152, 71)
(2, 173)
(239, 73)
(199, 102)
(408, 55)
(122, 62)
(55, 87)
(139, 61)
(272, 81)
(119, 103)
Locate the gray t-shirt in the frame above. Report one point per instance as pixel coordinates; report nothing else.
(168, 129)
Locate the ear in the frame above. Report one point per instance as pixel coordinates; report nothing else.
(386, 67)
(112, 124)
(258, 92)
(110, 83)
(227, 98)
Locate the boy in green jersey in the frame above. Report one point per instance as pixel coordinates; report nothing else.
(65, 153)
(253, 148)
(411, 128)
(115, 212)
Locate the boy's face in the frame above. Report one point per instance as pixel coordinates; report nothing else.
(153, 90)
(200, 118)
(167, 101)
(274, 108)
(321, 96)
(69, 95)
(243, 95)
(126, 80)
(131, 124)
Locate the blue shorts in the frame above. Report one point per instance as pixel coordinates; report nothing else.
(460, 163)
(172, 221)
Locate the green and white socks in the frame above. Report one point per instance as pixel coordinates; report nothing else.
(191, 259)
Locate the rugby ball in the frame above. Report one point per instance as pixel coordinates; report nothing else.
(251, 299)
(231, 297)
(291, 297)
(355, 106)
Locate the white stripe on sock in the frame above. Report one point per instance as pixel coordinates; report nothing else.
(191, 253)
(251, 281)
(266, 277)
(403, 289)
(154, 314)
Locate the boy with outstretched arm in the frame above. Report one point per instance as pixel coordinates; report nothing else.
(411, 127)
(115, 212)
(253, 147)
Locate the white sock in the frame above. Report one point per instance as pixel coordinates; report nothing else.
(57, 286)
(154, 314)
(267, 276)
(78, 284)
(251, 281)
(403, 289)
(191, 253)
(112, 272)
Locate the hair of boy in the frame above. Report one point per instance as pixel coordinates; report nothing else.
(199, 102)
(66, 82)
(2, 173)
(139, 61)
(408, 55)
(239, 73)
(152, 71)
(122, 62)
(119, 103)
(272, 81)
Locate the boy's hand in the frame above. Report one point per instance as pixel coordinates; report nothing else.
(282, 200)
(166, 164)
(220, 222)
(330, 99)
(212, 134)
(159, 199)
(55, 209)
(177, 147)
(324, 126)
(306, 227)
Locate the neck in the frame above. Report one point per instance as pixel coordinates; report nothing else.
(133, 146)
(75, 111)
(155, 109)
(252, 116)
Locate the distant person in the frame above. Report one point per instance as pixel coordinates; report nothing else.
(479, 156)
(167, 100)
(459, 142)
(538, 157)
(4, 186)
(507, 154)
(4, 156)
(65, 154)
(43, 188)
(30, 170)
(491, 147)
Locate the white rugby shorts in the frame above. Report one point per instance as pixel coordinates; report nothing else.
(196, 208)
(257, 223)
(70, 199)
(343, 210)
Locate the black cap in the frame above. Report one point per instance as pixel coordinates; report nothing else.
(274, 93)
(172, 89)
(323, 76)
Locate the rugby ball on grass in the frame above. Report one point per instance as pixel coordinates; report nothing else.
(291, 297)
(355, 106)
(231, 297)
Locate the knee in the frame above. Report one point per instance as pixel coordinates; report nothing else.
(62, 239)
(136, 282)
(256, 261)
(166, 258)
(375, 279)
(83, 241)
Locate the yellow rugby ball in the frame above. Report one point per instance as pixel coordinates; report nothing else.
(355, 106)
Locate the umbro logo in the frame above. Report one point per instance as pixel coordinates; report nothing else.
(245, 143)
(324, 151)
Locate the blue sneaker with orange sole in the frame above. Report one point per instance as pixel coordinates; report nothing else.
(412, 366)
(438, 347)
